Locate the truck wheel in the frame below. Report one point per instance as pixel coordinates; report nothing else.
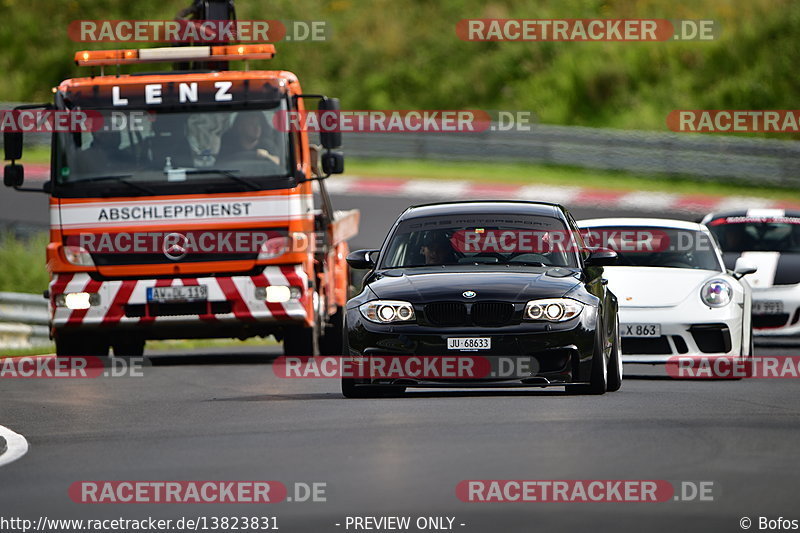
(301, 341)
(129, 347)
(70, 344)
(331, 341)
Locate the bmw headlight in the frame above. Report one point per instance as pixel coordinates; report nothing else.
(553, 309)
(387, 311)
(716, 293)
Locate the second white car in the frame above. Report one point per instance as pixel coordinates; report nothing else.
(675, 296)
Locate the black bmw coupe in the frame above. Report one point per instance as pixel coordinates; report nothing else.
(505, 286)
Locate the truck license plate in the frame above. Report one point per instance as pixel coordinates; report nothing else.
(177, 294)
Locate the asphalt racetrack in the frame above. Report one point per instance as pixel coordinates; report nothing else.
(217, 415)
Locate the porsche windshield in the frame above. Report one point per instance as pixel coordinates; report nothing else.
(656, 246)
(481, 239)
(753, 234)
(157, 148)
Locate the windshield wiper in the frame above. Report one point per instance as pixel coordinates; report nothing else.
(228, 174)
(118, 177)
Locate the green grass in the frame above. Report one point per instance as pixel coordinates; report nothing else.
(22, 263)
(528, 174)
(405, 54)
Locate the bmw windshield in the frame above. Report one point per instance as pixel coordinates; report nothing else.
(481, 239)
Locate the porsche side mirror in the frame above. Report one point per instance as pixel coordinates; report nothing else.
(601, 257)
(743, 268)
(363, 259)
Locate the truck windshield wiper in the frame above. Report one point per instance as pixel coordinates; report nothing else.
(117, 177)
(228, 174)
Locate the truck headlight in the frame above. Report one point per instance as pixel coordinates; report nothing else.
(387, 311)
(716, 293)
(278, 293)
(552, 309)
(77, 300)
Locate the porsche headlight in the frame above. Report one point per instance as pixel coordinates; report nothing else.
(716, 293)
(387, 311)
(553, 309)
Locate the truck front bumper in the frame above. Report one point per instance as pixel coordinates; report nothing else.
(233, 303)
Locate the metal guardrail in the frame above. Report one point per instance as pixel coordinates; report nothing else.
(703, 156)
(23, 320)
(706, 157)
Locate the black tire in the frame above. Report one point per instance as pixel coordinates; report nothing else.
(77, 345)
(598, 382)
(131, 347)
(302, 341)
(615, 363)
(349, 385)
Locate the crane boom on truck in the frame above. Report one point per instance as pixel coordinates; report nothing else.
(189, 214)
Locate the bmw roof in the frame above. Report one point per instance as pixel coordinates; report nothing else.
(483, 206)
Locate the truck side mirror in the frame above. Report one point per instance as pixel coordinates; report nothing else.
(12, 142)
(332, 163)
(330, 140)
(13, 175)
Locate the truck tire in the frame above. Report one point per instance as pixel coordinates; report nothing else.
(71, 344)
(301, 341)
(331, 341)
(129, 347)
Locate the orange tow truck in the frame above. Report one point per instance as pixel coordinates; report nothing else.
(189, 214)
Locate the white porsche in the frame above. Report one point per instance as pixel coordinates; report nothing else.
(675, 295)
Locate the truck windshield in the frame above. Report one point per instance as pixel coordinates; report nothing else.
(148, 150)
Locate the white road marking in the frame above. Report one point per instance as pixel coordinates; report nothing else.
(16, 446)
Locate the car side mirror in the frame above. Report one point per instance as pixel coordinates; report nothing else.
(601, 257)
(743, 268)
(363, 259)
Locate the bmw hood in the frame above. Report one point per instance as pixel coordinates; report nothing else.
(655, 286)
(426, 287)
